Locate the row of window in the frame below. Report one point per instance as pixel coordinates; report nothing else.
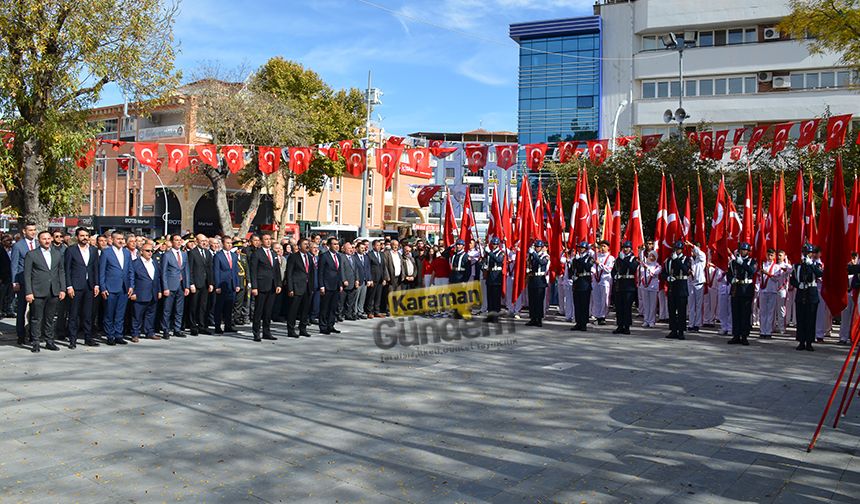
(562, 44)
(567, 90)
(579, 102)
(709, 38)
(743, 84)
(821, 80)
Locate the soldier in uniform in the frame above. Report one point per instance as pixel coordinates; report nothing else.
(494, 261)
(461, 266)
(804, 278)
(580, 275)
(241, 313)
(741, 273)
(624, 281)
(536, 270)
(676, 269)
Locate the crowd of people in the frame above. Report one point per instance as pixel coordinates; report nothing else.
(118, 288)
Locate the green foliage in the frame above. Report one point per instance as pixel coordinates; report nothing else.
(56, 56)
(827, 25)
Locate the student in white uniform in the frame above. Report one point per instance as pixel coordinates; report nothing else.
(772, 281)
(601, 283)
(649, 283)
(725, 303)
(710, 296)
(696, 283)
(824, 319)
(565, 289)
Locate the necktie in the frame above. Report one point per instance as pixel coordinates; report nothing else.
(30, 244)
(178, 257)
(229, 259)
(305, 260)
(334, 256)
(269, 255)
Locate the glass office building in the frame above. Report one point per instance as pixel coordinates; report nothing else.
(559, 79)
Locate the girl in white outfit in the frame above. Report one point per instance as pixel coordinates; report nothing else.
(649, 280)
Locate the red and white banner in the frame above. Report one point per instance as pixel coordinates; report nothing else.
(506, 155)
(268, 159)
(418, 164)
(535, 154)
(476, 156)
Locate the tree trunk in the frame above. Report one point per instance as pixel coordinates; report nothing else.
(254, 205)
(288, 194)
(220, 188)
(33, 165)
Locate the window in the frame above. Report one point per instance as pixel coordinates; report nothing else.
(585, 102)
(750, 85)
(369, 214)
(478, 206)
(663, 89)
(300, 209)
(842, 78)
(811, 80)
(736, 36)
(337, 212)
(720, 86)
(649, 43)
(337, 183)
(797, 81)
(369, 182)
(674, 88)
(449, 172)
(736, 85)
(476, 189)
(750, 36)
(690, 88)
(706, 87)
(553, 91)
(706, 39)
(720, 38)
(828, 79)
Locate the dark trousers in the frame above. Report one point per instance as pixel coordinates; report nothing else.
(742, 316)
(299, 308)
(114, 316)
(210, 308)
(624, 308)
(346, 303)
(373, 299)
(262, 317)
(6, 298)
(61, 320)
(536, 299)
(328, 310)
(224, 308)
(494, 298)
(20, 310)
(677, 314)
(315, 305)
(581, 309)
(807, 314)
(81, 315)
(197, 309)
(144, 318)
(174, 306)
(42, 312)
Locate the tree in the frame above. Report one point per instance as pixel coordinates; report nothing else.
(330, 115)
(827, 26)
(243, 114)
(56, 56)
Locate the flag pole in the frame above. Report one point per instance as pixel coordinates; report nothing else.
(843, 408)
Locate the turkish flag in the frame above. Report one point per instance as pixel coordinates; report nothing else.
(300, 159)
(450, 230)
(810, 225)
(685, 222)
(345, 147)
(837, 126)
(87, 155)
(824, 217)
(807, 133)
(476, 156)
(9, 140)
(467, 220)
(739, 134)
(525, 223)
(208, 154)
(854, 217)
(780, 137)
(566, 150)
(623, 142)
(194, 164)
(426, 194)
(651, 141)
(438, 151)
(633, 231)
(763, 226)
(673, 225)
(177, 157)
(330, 152)
(748, 226)
(615, 235)
(114, 144)
(719, 146)
(595, 214)
(778, 215)
(814, 148)
(393, 141)
(506, 156)
(693, 137)
(662, 220)
(234, 156)
(706, 144)
(158, 164)
(794, 241)
(540, 226)
(386, 163)
(699, 236)
(717, 239)
(736, 152)
(535, 154)
(418, 163)
(356, 161)
(268, 159)
(755, 137)
(580, 212)
(836, 249)
(507, 222)
(494, 227)
(597, 151)
(122, 163)
(146, 153)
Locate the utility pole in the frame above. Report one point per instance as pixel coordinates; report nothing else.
(372, 98)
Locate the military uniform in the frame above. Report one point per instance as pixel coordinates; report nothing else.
(676, 270)
(494, 262)
(241, 309)
(624, 281)
(741, 274)
(580, 275)
(536, 270)
(804, 278)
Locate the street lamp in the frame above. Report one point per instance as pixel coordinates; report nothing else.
(672, 41)
(373, 97)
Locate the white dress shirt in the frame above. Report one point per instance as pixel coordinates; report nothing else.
(119, 256)
(150, 268)
(85, 253)
(46, 253)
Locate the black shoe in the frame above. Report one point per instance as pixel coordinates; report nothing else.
(538, 324)
(257, 337)
(680, 336)
(121, 341)
(269, 337)
(194, 332)
(229, 329)
(335, 330)
(325, 331)
(801, 346)
(809, 347)
(35, 348)
(340, 319)
(601, 321)
(165, 336)
(178, 334)
(625, 331)
(91, 343)
(671, 335)
(52, 347)
(205, 331)
(73, 344)
(305, 334)
(111, 342)
(530, 323)
(292, 335)
(744, 342)
(219, 331)
(617, 330)
(734, 341)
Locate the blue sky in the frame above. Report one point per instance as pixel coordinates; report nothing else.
(444, 65)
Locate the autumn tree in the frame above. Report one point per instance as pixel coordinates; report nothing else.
(827, 26)
(56, 57)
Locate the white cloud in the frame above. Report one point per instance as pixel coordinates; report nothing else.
(477, 68)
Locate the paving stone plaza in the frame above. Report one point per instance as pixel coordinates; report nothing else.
(528, 415)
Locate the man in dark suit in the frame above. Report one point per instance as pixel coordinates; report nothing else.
(363, 269)
(225, 266)
(114, 265)
(19, 251)
(537, 282)
(349, 275)
(81, 263)
(265, 273)
(200, 266)
(377, 280)
(394, 267)
(175, 278)
(6, 294)
(44, 287)
(331, 285)
(300, 285)
(144, 290)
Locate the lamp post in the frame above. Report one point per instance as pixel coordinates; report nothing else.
(372, 97)
(672, 41)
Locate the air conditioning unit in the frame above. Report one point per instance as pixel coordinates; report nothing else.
(765, 76)
(781, 83)
(771, 33)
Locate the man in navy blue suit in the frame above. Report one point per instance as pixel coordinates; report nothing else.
(114, 265)
(330, 285)
(82, 281)
(175, 280)
(225, 267)
(145, 291)
(300, 285)
(19, 250)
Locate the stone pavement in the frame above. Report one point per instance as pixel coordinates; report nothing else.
(555, 416)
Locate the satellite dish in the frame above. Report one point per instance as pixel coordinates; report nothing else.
(680, 114)
(667, 116)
